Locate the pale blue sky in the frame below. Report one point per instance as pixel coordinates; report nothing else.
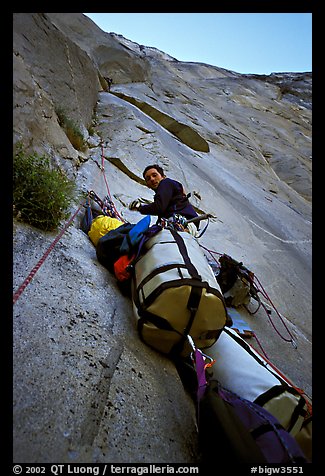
(259, 43)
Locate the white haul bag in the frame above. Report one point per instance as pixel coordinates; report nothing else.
(175, 294)
(242, 370)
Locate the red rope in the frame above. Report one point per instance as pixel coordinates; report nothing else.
(31, 275)
(211, 252)
(259, 343)
(264, 293)
(286, 379)
(107, 187)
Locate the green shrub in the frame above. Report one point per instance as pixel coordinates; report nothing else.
(42, 195)
(72, 130)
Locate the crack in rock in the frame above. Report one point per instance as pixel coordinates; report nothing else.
(183, 132)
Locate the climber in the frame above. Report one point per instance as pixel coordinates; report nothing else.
(170, 198)
(109, 83)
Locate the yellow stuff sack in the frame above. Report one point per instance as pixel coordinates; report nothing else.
(102, 225)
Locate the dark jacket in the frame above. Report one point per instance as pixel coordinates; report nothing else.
(169, 199)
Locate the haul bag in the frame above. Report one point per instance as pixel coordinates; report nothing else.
(175, 293)
(242, 370)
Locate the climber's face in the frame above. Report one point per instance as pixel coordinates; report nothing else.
(153, 178)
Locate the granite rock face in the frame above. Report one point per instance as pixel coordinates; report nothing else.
(86, 389)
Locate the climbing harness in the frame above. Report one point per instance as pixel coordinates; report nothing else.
(205, 216)
(179, 222)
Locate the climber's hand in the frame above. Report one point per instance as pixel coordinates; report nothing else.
(135, 205)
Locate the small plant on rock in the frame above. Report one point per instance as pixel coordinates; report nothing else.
(41, 194)
(72, 131)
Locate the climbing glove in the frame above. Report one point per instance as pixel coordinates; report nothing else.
(135, 205)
